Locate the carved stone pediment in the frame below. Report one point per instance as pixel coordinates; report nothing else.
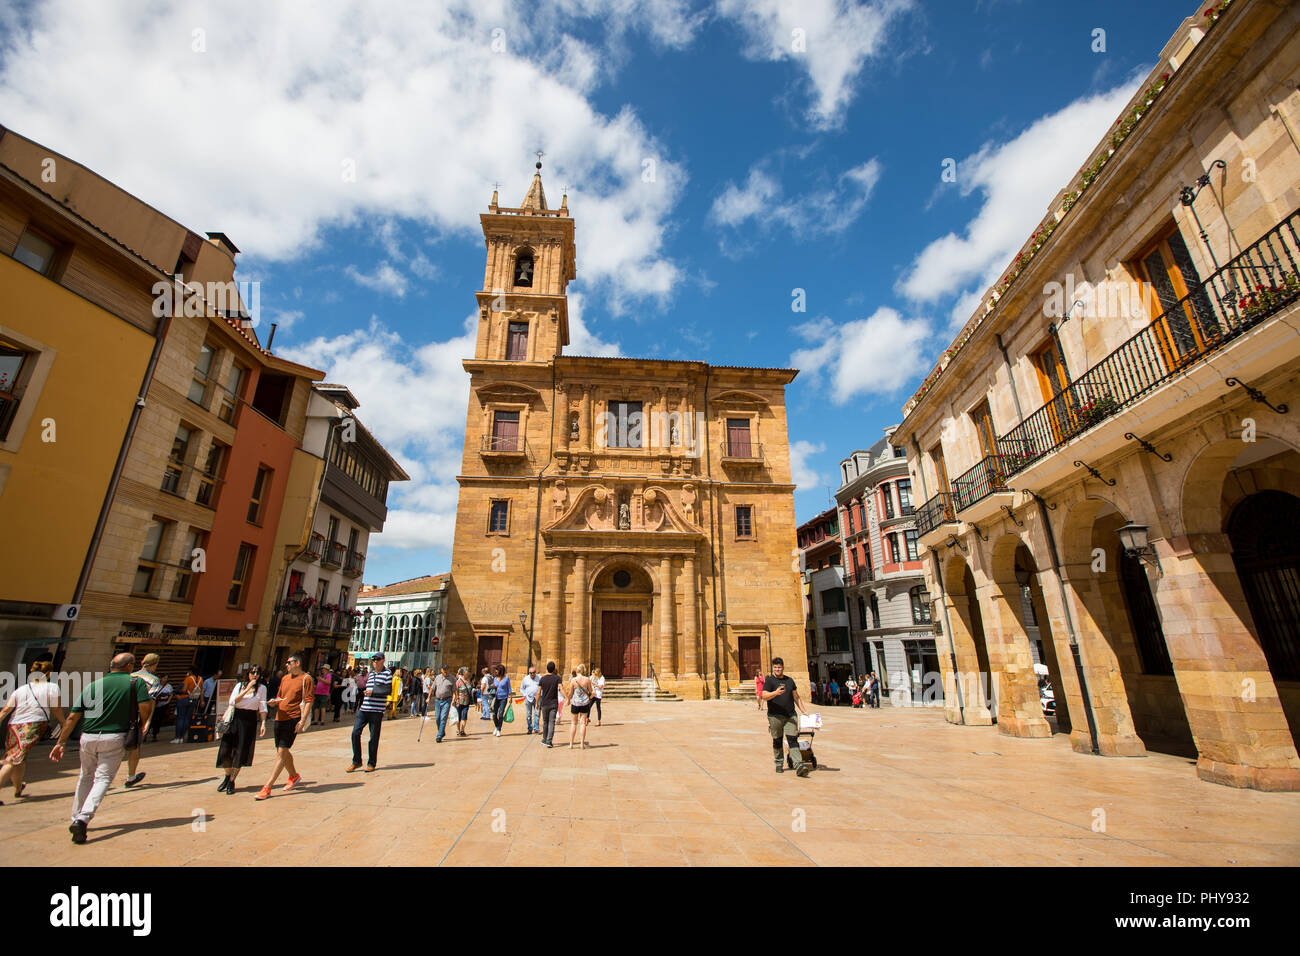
(740, 399)
(513, 392)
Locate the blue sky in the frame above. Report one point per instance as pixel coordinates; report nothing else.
(793, 146)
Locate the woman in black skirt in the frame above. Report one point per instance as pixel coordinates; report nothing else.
(236, 749)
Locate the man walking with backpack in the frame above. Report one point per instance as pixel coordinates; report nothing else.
(111, 706)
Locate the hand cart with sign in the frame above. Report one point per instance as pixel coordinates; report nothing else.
(809, 724)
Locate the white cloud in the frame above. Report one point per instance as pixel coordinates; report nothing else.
(877, 355)
(384, 279)
(1017, 179)
(582, 341)
(825, 211)
(415, 401)
(802, 473)
(839, 37)
(268, 119)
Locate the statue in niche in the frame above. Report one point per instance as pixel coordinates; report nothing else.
(675, 435)
(574, 432)
(624, 517)
(688, 502)
(559, 497)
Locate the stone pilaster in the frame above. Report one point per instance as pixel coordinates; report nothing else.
(667, 632)
(690, 625)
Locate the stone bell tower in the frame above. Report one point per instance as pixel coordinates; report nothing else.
(523, 310)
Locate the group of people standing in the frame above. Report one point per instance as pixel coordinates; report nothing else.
(862, 692)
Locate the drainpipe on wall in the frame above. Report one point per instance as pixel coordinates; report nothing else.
(1011, 377)
(160, 336)
(938, 580)
(713, 548)
(1069, 625)
(537, 522)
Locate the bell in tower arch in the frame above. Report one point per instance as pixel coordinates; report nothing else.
(524, 269)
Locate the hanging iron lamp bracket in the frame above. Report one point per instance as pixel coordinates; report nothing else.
(1257, 395)
(1148, 446)
(1094, 472)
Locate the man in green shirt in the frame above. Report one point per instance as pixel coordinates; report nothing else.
(109, 708)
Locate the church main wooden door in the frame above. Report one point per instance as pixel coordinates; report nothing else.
(620, 643)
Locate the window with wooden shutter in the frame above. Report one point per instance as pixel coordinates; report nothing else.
(505, 431)
(517, 342)
(738, 445)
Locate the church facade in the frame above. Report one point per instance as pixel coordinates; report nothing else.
(633, 515)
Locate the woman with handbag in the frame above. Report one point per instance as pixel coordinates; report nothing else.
(26, 718)
(243, 723)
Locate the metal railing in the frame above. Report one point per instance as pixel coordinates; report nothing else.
(934, 513)
(512, 444)
(988, 475)
(854, 577)
(355, 562)
(1258, 283)
(333, 556)
(745, 451)
(316, 546)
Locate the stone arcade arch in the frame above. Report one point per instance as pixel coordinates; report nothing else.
(1017, 576)
(1136, 707)
(1019, 712)
(968, 641)
(1240, 722)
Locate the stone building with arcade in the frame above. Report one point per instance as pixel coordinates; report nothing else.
(1115, 434)
(634, 515)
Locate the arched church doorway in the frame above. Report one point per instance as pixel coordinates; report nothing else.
(622, 597)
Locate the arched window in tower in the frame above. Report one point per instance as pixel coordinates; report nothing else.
(524, 268)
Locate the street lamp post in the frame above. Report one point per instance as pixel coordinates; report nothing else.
(523, 625)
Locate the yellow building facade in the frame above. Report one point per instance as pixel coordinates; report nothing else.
(634, 515)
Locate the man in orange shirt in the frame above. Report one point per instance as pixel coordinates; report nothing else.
(294, 699)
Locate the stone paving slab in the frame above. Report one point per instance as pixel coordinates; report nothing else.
(679, 784)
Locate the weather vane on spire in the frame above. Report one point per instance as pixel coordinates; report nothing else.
(540, 154)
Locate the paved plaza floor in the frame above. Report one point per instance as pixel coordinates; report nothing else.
(665, 784)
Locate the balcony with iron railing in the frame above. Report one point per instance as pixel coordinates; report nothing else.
(741, 452)
(503, 446)
(316, 546)
(354, 563)
(934, 513)
(855, 576)
(1253, 287)
(333, 556)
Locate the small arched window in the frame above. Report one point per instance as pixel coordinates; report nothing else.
(417, 631)
(524, 268)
